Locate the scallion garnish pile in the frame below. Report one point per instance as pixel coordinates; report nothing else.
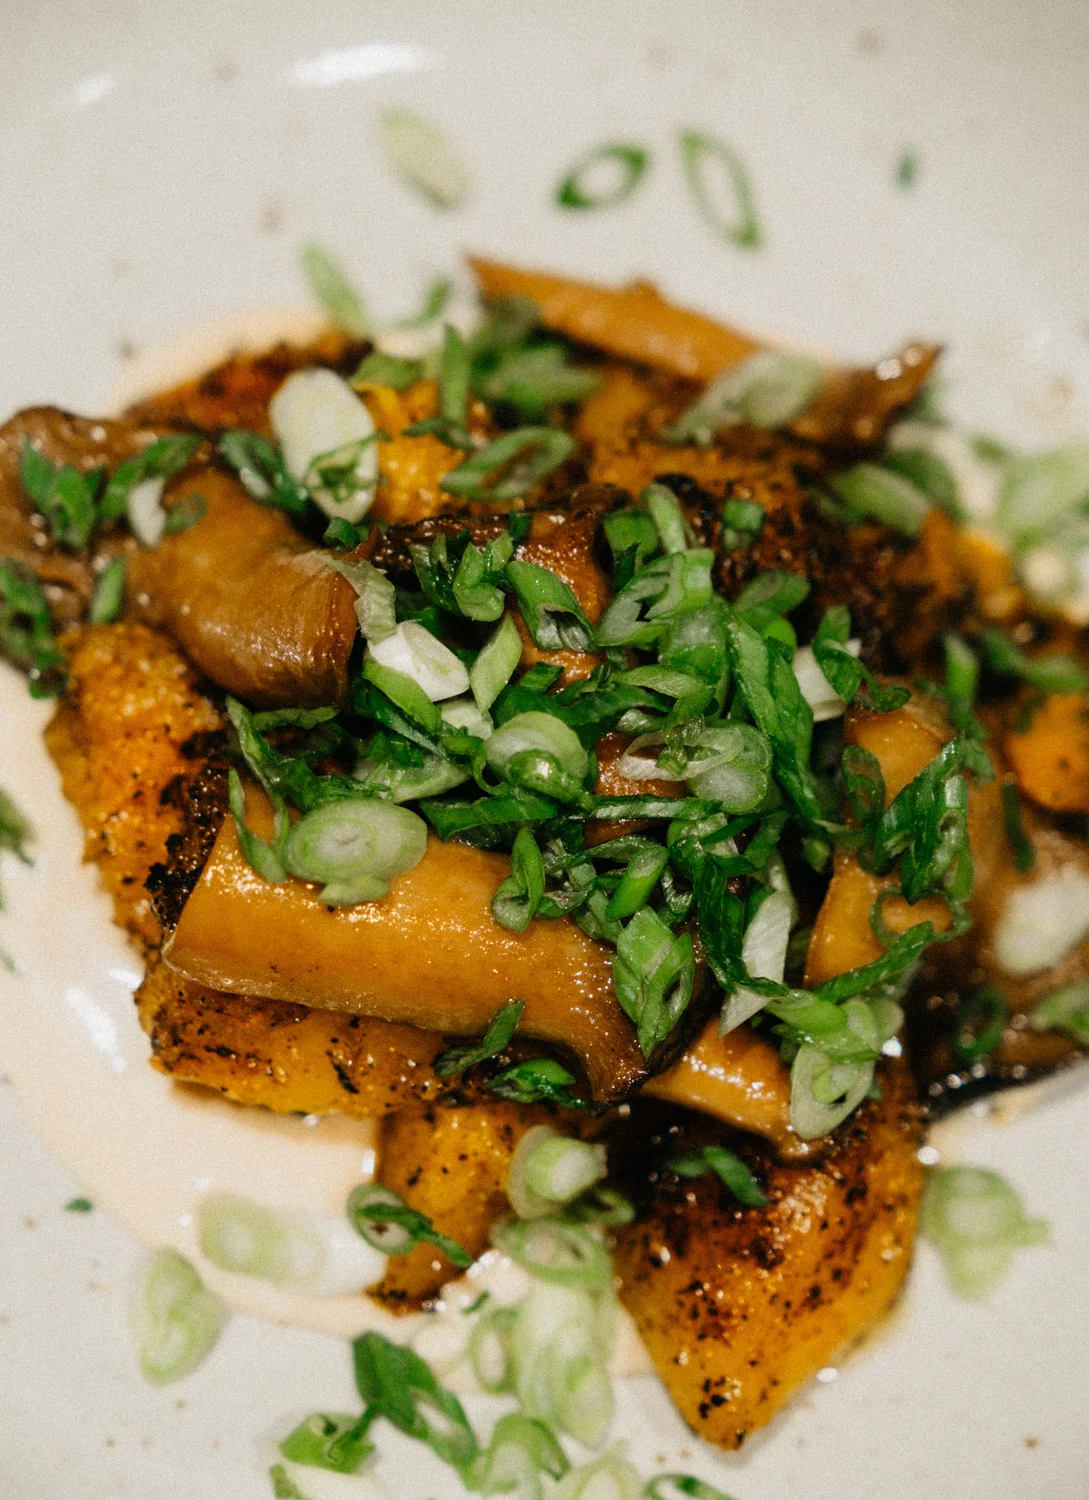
(444, 731)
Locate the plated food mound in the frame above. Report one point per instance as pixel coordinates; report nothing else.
(620, 759)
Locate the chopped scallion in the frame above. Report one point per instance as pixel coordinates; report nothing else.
(500, 1031)
(26, 630)
(603, 177)
(495, 663)
(1065, 1009)
(334, 292)
(703, 155)
(355, 848)
(175, 1319)
(510, 466)
(727, 1166)
(424, 156)
(387, 1223)
(109, 593)
(978, 1222)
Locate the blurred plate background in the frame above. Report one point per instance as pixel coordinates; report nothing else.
(160, 164)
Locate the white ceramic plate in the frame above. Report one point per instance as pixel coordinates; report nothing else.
(160, 165)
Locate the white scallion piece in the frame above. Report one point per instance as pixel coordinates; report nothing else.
(320, 1254)
(817, 691)
(549, 1169)
(413, 650)
(763, 950)
(376, 597)
(329, 441)
(1043, 921)
(538, 731)
(977, 482)
(424, 155)
(175, 1319)
(462, 713)
(147, 518)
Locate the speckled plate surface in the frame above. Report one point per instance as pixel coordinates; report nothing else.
(160, 165)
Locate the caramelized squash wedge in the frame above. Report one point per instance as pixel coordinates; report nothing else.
(738, 1307)
(130, 737)
(452, 1165)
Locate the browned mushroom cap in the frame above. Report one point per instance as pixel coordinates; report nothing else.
(429, 955)
(852, 410)
(87, 444)
(634, 322)
(252, 603)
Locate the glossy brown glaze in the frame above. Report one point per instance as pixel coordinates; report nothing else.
(251, 602)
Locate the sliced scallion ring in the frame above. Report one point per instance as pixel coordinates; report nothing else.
(560, 1344)
(611, 1477)
(556, 1251)
(175, 1319)
(381, 1234)
(319, 1254)
(408, 783)
(603, 177)
(355, 847)
(768, 390)
(977, 1221)
(329, 441)
(520, 1450)
(701, 155)
(549, 1169)
(490, 1350)
(824, 1093)
(540, 732)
